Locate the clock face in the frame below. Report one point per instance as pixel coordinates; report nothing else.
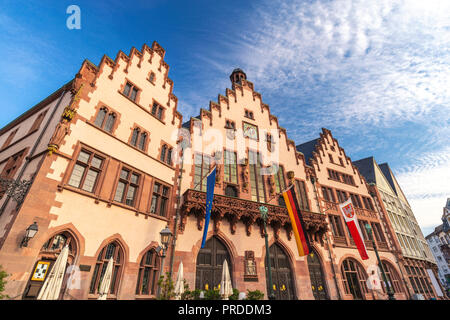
(250, 131)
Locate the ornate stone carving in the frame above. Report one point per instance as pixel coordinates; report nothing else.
(250, 270)
(235, 210)
(218, 174)
(62, 129)
(291, 176)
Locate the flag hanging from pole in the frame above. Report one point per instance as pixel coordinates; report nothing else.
(210, 183)
(298, 225)
(348, 211)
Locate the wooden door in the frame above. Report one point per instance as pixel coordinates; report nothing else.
(282, 278)
(210, 263)
(317, 277)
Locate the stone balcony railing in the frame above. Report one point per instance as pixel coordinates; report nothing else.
(246, 211)
(332, 207)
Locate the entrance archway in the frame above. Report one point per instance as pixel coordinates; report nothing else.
(282, 278)
(316, 275)
(354, 278)
(47, 257)
(210, 264)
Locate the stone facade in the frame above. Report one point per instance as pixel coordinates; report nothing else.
(111, 164)
(412, 251)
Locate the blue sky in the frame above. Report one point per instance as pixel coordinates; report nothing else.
(376, 73)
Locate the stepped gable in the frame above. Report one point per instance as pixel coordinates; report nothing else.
(239, 84)
(89, 72)
(315, 150)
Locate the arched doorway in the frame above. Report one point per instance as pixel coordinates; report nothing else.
(316, 275)
(282, 278)
(354, 278)
(47, 257)
(210, 263)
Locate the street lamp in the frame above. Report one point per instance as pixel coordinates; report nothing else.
(263, 211)
(29, 234)
(388, 285)
(166, 235)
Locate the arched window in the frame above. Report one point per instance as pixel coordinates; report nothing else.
(148, 273)
(110, 122)
(57, 242)
(169, 156)
(163, 153)
(354, 278)
(142, 141)
(135, 136)
(47, 257)
(105, 119)
(101, 117)
(392, 277)
(111, 250)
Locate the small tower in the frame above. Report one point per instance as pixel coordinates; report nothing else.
(237, 75)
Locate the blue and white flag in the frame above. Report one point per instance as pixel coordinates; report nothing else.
(210, 183)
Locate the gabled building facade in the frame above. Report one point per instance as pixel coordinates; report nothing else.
(412, 252)
(248, 143)
(338, 179)
(98, 155)
(105, 163)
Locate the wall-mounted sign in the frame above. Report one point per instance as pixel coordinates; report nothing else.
(41, 271)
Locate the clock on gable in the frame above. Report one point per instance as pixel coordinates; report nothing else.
(250, 131)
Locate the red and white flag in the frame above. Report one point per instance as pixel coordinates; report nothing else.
(348, 211)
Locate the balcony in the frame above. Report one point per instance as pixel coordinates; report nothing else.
(331, 207)
(382, 245)
(246, 211)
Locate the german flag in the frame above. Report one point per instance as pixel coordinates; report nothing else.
(298, 226)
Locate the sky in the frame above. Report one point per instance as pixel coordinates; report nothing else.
(376, 73)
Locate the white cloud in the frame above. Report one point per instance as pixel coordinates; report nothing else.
(371, 62)
(426, 185)
(380, 66)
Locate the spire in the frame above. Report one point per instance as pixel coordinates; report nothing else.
(237, 75)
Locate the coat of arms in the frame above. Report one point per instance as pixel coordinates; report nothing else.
(348, 211)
